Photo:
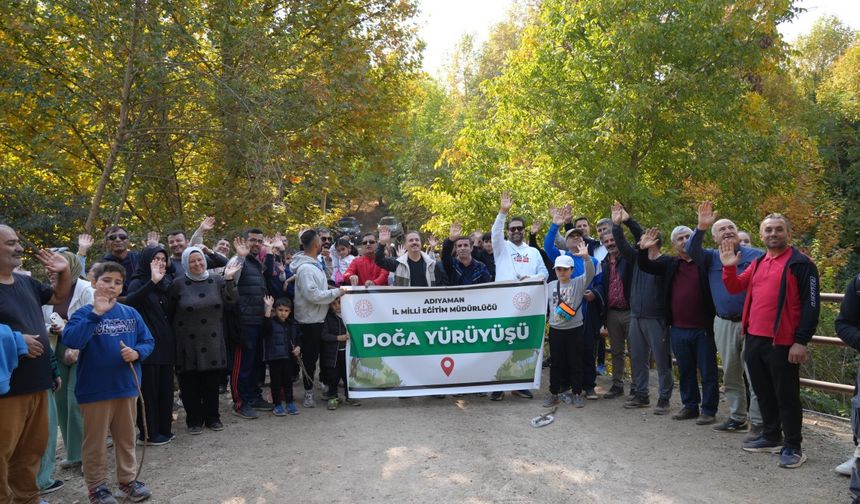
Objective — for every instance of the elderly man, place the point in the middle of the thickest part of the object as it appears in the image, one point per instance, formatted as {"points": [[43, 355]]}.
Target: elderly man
{"points": [[727, 323], [24, 408], [780, 315]]}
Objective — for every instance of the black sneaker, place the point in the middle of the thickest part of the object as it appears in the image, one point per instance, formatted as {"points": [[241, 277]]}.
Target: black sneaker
{"points": [[732, 425], [637, 402], [246, 412], [613, 392], [195, 430], [662, 407], [791, 458], [525, 394], [216, 425], [763, 445], [685, 414], [56, 485], [497, 396], [262, 405]]}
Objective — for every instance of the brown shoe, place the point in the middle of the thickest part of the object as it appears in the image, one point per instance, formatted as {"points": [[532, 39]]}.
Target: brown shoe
{"points": [[705, 420], [685, 414]]}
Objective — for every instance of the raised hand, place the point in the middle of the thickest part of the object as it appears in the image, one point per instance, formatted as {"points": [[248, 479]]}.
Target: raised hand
{"points": [[231, 269], [152, 238], [384, 235], [53, 262], [567, 214], [267, 242], [536, 226], [268, 301], [728, 255], [208, 224], [278, 241], [707, 216], [649, 238], [582, 251], [401, 250], [158, 270], [432, 242], [557, 216], [455, 232], [617, 213], [34, 347], [85, 241], [102, 304], [241, 246], [505, 202]]}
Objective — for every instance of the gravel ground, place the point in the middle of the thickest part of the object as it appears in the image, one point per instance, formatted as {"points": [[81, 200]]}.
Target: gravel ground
{"points": [[472, 450]]}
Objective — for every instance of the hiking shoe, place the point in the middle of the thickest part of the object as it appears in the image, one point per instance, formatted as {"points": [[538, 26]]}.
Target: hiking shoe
{"points": [[591, 394], [755, 432], [551, 400], [578, 401], [614, 392], [101, 495], [56, 485], [566, 398], [246, 412], [134, 491], [216, 425], [309, 399], [662, 407], [157, 440], [762, 445], [601, 369], [195, 430], [685, 414], [706, 420], [352, 402], [279, 410], [292, 409], [332, 404], [525, 394], [791, 458], [637, 402], [262, 405], [497, 396], [732, 425]]}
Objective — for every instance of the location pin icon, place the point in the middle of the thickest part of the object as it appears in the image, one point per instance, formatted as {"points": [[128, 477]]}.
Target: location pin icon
{"points": [[447, 366]]}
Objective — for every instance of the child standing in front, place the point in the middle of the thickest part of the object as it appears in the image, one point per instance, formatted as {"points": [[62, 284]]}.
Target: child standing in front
{"points": [[282, 336], [109, 336], [566, 334], [333, 355]]}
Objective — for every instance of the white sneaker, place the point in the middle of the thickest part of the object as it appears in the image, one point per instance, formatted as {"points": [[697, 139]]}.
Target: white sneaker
{"points": [[845, 467], [309, 399]]}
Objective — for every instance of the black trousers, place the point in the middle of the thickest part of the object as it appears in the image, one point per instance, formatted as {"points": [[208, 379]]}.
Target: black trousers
{"points": [[311, 338], [336, 374], [566, 347], [156, 386], [776, 383], [281, 375], [199, 391]]}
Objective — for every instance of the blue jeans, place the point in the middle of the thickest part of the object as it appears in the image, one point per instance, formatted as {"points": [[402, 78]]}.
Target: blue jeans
{"points": [[696, 351], [246, 357]]}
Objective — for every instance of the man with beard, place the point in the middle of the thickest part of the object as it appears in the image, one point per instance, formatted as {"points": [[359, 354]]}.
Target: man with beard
{"points": [[116, 245], [727, 324], [460, 267]]}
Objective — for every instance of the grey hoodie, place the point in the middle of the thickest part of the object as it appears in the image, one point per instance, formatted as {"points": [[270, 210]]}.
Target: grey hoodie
{"points": [[312, 292]]}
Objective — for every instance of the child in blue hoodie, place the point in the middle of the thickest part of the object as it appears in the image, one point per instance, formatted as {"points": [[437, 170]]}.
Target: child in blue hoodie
{"points": [[110, 336]]}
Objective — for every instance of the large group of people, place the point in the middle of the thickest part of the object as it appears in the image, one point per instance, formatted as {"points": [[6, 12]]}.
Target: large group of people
{"points": [[77, 351]]}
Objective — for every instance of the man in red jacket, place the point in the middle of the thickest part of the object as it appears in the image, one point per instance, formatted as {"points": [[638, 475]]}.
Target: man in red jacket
{"points": [[363, 270], [779, 318]]}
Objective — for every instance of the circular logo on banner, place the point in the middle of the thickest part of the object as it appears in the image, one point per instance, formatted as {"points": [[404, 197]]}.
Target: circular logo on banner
{"points": [[363, 308], [522, 301]]}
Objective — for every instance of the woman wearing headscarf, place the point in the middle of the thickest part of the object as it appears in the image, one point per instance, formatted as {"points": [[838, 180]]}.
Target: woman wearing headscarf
{"points": [[147, 292], [65, 410], [196, 309]]}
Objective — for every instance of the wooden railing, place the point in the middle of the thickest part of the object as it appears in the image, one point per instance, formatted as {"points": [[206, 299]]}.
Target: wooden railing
{"points": [[825, 340]]}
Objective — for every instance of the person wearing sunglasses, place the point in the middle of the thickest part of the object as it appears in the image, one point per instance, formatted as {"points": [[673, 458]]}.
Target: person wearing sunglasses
{"points": [[363, 269], [117, 250], [514, 259]]}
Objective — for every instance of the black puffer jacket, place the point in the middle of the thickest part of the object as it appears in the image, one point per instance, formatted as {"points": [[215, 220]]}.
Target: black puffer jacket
{"points": [[151, 301], [252, 290], [333, 327], [281, 338]]}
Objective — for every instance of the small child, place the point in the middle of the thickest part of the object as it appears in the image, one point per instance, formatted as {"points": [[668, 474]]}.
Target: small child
{"points": [[566, 333], [282, 336], [333, 355], [341, 258], [109, 335]]}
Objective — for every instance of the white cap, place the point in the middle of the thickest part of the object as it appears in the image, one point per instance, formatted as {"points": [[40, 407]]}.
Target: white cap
{"points": [[563, 261]]}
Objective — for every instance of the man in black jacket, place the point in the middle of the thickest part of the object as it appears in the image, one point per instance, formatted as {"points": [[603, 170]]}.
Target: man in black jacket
{"points": [[690, 316], [848, 329], [459, 266]]}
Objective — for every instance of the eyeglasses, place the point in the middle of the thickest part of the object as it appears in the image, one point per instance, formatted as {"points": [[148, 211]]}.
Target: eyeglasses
{"points": [[516, 228], [120, 237], [325, 239], [368, 242]]}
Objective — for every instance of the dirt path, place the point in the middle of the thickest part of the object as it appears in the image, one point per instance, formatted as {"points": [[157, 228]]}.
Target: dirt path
{"points": [[476, 451]]}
